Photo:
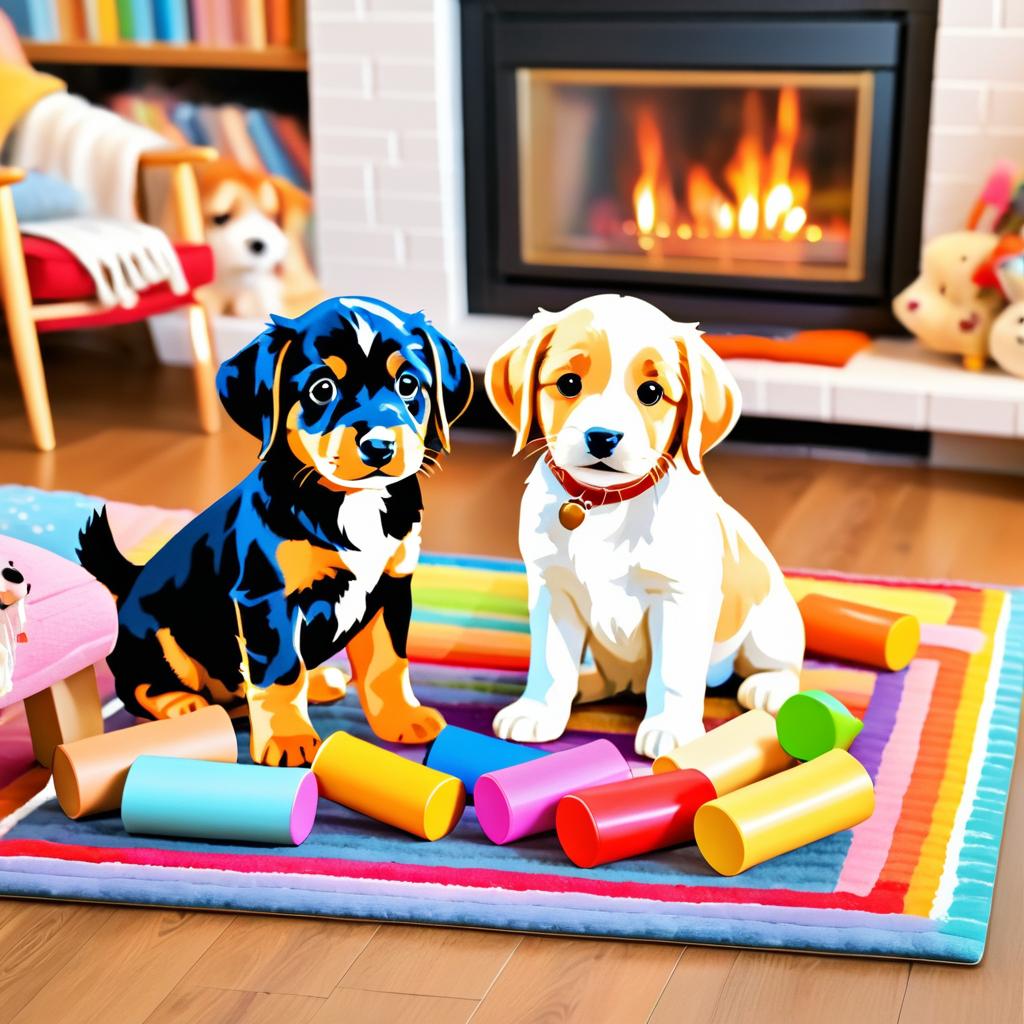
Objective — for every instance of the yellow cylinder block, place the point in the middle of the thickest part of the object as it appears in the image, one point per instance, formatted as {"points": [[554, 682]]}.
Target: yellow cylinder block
{"points": [[737, 753], [388, 787], [780, 813]]}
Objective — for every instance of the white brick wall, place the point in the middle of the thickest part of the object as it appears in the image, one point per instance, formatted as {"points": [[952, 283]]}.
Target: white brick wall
{"points": [[377, 172], [387, 152], [978, 104]]}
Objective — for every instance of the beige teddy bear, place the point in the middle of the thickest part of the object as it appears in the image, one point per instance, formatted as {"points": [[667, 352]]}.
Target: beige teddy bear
{"points": [[944, 309]]}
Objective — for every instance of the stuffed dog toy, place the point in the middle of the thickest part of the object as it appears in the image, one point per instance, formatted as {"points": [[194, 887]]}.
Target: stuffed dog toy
{"points": [[630, 554], [14, 589], [312, 553], [254, 226]]}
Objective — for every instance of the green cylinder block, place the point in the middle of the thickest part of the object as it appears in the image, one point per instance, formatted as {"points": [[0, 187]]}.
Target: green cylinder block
{"points": [[813, 722]]}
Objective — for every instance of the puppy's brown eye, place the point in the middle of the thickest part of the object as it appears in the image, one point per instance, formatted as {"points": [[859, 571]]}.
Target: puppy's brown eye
{"points": [[569, 385], [323, 391], [407, 387], [221, 218], [649, 393]]}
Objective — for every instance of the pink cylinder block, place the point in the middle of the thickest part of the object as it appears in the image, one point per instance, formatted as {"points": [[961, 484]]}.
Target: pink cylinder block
{"points": [[522, 800]]}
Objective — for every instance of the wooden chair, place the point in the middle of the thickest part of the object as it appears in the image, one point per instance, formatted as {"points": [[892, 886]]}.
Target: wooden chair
{"points": [[36, 300]]}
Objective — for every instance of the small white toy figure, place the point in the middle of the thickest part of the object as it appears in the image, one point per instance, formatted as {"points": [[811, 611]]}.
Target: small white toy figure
{"points": [[13, 593]]}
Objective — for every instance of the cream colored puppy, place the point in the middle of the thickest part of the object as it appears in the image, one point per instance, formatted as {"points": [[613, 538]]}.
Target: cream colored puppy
{"points": [[630, 554]]}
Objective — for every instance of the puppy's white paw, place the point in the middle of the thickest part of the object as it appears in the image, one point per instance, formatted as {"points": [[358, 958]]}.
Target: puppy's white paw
{"points": [[530, 721], [768, 690], [661, 734]]}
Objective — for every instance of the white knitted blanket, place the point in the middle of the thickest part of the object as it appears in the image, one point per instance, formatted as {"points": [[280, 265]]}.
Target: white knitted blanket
{"points": [[97, 153]]}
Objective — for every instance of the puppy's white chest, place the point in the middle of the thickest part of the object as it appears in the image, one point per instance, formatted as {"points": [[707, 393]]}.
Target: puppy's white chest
{"points": [[609, 566], [370, 551]]}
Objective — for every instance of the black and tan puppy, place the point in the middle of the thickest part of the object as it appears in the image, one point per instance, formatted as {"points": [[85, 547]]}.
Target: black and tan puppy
{"points": [[313, 551]]}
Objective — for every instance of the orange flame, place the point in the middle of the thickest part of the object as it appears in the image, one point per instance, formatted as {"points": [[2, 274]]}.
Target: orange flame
{"points": [[764, 195], [650, 193]]}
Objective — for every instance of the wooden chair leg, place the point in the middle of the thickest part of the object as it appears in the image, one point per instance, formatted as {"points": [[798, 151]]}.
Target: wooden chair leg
{"points": [[69, 710], [205, 369], [190, 229], [17, 302]]}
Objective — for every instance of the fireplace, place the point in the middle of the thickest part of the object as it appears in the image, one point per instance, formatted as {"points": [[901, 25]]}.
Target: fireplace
{"points": [[737, 163]]}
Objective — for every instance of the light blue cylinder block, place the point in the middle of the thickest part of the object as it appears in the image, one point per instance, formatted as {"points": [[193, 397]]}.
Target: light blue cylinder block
{"points": [[174, 796]]}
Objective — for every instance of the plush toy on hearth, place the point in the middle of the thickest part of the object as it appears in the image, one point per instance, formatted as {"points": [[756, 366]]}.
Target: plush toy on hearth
{"points": [[954, 303], [945, 309]]}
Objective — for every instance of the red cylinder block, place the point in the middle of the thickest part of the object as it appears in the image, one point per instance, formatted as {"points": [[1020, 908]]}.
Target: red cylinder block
{"points": [[625, 819]]}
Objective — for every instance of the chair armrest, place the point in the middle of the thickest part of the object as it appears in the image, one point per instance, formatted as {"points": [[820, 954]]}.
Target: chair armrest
{"points": [[175, 155], [11, 175]]}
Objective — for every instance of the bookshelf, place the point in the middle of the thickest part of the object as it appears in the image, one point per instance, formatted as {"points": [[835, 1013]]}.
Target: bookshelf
{"points": [[166, 55]]}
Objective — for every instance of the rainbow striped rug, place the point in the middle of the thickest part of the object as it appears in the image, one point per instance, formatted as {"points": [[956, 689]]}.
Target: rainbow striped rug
{"points": [[916, 880]]}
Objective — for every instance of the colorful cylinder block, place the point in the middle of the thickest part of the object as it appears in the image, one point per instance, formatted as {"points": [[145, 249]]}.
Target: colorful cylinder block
{"points": [[737, 753], [778, 814], [625, 819], [813, 722], [859, 633], [388, 787], [89, 774], [172, 796], [467, 755], [522, 800]]}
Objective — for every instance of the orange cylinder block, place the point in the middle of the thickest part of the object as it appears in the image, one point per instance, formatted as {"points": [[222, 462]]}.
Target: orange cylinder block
{"points": [[859, 632], [89, 774], [388, 787]]}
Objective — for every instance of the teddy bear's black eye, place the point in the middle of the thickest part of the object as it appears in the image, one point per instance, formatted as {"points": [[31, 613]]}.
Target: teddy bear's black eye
{"points": [[569, 385], [323, 391], [221, 218], [649, 393], [407, 386]]}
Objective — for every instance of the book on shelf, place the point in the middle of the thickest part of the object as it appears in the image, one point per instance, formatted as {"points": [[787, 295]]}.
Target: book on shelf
{"points": [[71, 20], [101, 23], [170, 19], [252, 24], [33, 19], [135, 20], [260, 141]]}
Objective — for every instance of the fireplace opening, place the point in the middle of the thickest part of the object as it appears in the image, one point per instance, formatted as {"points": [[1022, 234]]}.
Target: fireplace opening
{"points": [[618, 169], [740, 163]]}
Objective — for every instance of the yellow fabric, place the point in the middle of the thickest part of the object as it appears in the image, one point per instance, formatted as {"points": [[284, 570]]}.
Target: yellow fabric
{"points": [[929, 606], [21, 88]]}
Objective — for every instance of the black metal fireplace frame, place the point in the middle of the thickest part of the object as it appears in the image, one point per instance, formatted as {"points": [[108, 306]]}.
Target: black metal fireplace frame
{"points": [[892, 38]]}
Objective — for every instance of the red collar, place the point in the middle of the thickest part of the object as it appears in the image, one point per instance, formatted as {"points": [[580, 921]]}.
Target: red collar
{"points": [[597, 496]]}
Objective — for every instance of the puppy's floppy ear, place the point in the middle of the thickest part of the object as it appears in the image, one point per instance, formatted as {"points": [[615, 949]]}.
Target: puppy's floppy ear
{"points": [[712, 397], [453, 388], [293, 204], [249, 383], [511, 374]]}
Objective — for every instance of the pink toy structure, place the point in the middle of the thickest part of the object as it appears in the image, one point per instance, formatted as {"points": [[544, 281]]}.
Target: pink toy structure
{"points": [[73, 624]]}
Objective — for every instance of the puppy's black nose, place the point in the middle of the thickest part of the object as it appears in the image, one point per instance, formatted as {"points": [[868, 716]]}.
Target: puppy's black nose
{"points": [[600, 442], [256, 245], [376, 452]]}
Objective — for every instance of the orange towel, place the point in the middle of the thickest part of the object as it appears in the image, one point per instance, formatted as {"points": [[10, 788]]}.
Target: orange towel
{"points": [[824, 348]]}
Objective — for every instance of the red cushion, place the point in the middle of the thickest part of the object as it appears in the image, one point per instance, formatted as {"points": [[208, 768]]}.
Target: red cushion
{"points": [[54, 275]]}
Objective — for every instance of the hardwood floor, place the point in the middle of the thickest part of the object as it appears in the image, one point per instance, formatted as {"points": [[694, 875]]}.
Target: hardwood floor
{"points": [[126, 433]]}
